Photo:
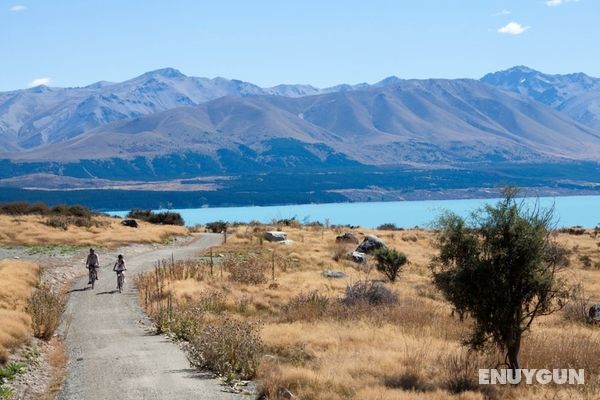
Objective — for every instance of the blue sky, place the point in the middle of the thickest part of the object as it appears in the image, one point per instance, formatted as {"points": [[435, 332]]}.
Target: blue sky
{"points": [[74, 43]]}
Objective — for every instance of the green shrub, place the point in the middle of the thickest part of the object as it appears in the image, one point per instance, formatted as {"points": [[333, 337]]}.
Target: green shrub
{"points": [[389, 261], [5, 392], [231, 348], [12, 369]]}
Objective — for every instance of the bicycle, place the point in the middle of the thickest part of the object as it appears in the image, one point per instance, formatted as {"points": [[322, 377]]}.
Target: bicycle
{"points": [[93, 275], [120, 280]]}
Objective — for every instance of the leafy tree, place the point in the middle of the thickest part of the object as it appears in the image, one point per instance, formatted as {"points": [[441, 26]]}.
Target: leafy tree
{"points": [[500, 268], [389, 261]]}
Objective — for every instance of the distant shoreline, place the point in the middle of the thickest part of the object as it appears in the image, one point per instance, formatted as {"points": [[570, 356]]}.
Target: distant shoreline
{"points": [[569, 210]]}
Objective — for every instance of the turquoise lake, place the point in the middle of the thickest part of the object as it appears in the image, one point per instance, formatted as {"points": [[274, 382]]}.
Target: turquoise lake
{"points": [[569, 211]]}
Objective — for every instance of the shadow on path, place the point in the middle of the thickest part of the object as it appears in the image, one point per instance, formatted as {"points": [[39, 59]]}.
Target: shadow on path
{"points": [[192, 373], [110, 292], [80, 290]]}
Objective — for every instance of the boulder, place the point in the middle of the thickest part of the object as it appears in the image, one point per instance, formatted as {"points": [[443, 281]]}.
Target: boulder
{"points": [[132, 223], [594, 314], [275, 236], [347, 237], [333, 274], [369, 244], [358, 257]]}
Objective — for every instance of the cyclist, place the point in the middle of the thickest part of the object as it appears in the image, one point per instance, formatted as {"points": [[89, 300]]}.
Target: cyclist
{"points": [[92, 261], [120, 269]]}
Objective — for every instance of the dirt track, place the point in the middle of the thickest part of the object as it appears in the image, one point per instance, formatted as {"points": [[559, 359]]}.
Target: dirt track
{"points": [[112, 355]]}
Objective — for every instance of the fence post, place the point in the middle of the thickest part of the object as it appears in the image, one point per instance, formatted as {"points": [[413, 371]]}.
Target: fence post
{"points": [[273, 266]]}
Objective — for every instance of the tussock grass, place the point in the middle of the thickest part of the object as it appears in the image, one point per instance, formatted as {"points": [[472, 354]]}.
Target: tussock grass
{"points": [[17, 280], [34, 230], [318, 348]]}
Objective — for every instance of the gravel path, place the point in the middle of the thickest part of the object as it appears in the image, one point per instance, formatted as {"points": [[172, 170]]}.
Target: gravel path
{"points": [[112, 353]]}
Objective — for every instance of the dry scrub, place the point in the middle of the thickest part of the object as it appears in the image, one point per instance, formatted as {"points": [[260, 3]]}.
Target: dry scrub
{"points": [[33, 230], [17, 281], [407, 346]]}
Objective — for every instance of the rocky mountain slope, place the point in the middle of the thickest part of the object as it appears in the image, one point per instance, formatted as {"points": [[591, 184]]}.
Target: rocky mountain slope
{"points": [[577, 95]]}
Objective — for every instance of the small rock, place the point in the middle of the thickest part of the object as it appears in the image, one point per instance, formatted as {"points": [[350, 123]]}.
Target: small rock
{"points": [[333, 274], [274, 285], [594, 314], [358, 257], [369, 244], [287, 242], [275, 236], [347, 237]]}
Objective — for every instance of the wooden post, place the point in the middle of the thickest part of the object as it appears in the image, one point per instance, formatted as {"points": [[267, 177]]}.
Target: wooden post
{"points": [[225, 235], [273, 266], [211, 262]]}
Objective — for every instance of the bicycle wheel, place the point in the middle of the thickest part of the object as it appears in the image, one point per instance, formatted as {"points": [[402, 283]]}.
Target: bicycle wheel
{"points": [[93, 277]]}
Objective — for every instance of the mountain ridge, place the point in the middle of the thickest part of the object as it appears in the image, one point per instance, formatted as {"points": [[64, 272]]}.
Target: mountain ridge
{"points": [[517, 115]]}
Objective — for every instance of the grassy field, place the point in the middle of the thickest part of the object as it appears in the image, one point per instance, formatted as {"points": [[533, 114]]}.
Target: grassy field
{"points": [[17, 281], [34, 230], [318, 348]]}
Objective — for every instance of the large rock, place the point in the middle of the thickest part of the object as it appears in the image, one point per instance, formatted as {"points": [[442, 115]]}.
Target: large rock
{"points": [[594, 314], [347, 237], [369, 244], [132, 223], [275, 236]]}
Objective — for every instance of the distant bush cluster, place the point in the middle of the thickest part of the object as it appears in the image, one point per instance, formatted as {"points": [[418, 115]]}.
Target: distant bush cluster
{"points": [[389, 227], [60, 216], [25, 208], [160, 218], [217, 226]]}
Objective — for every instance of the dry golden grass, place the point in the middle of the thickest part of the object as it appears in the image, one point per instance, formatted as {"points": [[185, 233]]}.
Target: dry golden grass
{"points": [[17, 280], [31, 230], [57, 359], [404, 351]]}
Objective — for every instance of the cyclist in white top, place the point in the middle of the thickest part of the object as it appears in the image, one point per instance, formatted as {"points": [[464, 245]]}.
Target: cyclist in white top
{"points": [[120, 268]]}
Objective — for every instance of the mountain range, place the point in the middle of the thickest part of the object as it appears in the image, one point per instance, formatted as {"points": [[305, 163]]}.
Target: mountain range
{"points": [[166, 125]]}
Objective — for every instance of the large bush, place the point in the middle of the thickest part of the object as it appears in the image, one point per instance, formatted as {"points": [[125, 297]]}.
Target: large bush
{"points": [[368, 292], [230, 347], [216, 226], [159, 218], [46, 308], [248, 269]]}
